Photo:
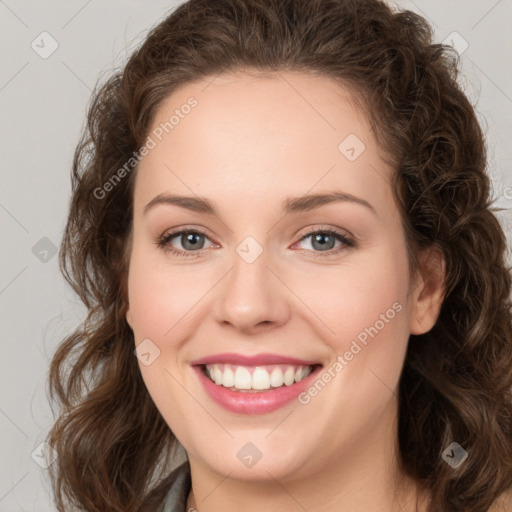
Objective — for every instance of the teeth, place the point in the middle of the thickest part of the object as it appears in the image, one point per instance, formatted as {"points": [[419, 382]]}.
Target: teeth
{"points": [[228, 377], [256, 378], [217, 375], [276, 378], [242, 378], [260, 379], [289, 376]]}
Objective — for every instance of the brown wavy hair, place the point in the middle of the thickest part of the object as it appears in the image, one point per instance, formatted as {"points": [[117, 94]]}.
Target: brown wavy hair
{"points": [[114, 448]]}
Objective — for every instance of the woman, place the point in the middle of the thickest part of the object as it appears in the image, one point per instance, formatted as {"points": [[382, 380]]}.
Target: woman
{"points": [[281, 226]]}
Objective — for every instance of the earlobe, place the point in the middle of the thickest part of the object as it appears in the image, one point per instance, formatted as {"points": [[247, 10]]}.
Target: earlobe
{"points": [[428, 294]]}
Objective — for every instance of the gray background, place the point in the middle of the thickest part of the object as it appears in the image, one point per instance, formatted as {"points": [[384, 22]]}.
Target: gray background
{"points": [[43, 104]]}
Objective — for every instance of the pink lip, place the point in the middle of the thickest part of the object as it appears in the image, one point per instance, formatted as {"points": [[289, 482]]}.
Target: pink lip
{"points": [[256, 360], [260, 402]]}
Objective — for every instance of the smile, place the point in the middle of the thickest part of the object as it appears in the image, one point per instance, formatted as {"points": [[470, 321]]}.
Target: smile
{"points": [[255, 378], [257, 384]]}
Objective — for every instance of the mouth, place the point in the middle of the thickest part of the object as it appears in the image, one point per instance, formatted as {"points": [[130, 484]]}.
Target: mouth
{"points": [[256, 379], [258, 384]]}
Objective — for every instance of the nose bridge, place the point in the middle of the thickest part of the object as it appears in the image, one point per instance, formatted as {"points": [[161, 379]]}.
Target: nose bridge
{"points": [[251, 295]]}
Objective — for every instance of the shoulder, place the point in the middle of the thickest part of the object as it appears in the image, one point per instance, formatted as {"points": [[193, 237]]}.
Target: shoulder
{"points": [[176, 498], [503, 503]]}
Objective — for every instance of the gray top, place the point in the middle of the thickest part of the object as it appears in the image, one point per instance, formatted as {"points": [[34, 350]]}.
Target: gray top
{"points": [[176, 499]]}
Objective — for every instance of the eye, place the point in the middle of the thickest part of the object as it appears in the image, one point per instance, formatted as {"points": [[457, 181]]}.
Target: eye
{"points": [[324, 241], [190, 240]]}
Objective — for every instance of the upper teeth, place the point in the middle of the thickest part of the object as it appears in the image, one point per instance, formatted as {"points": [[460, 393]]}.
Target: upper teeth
{"points": [[256, 377]]}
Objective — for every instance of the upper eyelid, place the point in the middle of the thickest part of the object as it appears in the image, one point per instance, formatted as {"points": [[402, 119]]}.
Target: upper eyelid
{"points": [[325, 229]]}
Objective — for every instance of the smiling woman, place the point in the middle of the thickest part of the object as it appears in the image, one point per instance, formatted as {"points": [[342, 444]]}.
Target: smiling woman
{"points": [[301, 282]]}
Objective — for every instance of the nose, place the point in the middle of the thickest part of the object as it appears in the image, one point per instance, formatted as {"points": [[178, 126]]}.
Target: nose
{"points": [[251, 298]]}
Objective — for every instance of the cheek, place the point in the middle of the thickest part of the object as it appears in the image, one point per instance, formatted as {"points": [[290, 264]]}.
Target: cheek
{"points": [[158, 308], [365, 308], [159, 296], [347, 299], [146, 306]]}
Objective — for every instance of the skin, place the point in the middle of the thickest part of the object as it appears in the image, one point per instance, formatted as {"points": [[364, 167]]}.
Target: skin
{"points": [[252, 141]]}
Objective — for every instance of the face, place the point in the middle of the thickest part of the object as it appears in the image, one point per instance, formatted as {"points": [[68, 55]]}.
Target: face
{"points": [[284, 275]]}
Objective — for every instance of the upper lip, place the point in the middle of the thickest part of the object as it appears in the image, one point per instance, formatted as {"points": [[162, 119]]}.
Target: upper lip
{"points": [[255, 360]]}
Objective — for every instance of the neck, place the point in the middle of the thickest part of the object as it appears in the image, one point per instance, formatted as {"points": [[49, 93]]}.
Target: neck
{"points": [[365, 476]]}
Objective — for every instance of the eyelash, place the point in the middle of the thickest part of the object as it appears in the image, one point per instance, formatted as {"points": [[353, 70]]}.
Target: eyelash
{"points": [[163, 242]]}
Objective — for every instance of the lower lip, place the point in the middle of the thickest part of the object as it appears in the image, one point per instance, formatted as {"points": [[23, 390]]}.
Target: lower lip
{"points": [[259, 402]]}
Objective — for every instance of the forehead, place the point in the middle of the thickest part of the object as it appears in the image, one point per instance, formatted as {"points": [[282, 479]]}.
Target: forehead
{"points": [[281, 109], [263, 136]]}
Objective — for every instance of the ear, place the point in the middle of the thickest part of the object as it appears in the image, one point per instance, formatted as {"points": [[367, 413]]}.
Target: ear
{"points": [[428, 293], [129, 317], [125, 301], [124, 274]]}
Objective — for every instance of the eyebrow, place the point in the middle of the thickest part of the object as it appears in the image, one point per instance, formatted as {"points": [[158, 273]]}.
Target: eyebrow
{"points": [[289, 205]]}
